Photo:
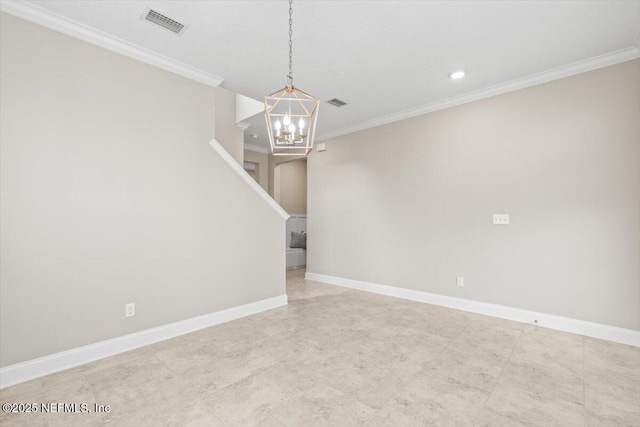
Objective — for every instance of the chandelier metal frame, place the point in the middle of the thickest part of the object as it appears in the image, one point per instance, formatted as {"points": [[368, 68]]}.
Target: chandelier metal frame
{"points": [[290, 113]]}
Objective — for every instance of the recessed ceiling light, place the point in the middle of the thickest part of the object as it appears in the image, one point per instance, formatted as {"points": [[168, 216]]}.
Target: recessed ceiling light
{"points": [[254, 136], [457, 74]]}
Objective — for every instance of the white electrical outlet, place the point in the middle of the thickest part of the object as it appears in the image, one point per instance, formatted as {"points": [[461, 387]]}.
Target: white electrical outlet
{"points": [[459, 281], [500, 219], [130, 309]]}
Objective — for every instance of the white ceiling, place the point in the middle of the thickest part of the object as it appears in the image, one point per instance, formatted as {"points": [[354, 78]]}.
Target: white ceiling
{"points": [[382, 57]]}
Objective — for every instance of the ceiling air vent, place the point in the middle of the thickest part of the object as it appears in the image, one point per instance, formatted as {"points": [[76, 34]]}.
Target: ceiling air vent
{"points": [[163, 21], [337, 103]]}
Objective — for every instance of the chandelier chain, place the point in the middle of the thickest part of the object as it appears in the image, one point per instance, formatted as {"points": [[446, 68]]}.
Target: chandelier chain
{"points": [[290, 113], [290, 76]]}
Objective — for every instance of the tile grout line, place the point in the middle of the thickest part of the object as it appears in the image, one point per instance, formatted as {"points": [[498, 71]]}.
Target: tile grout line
{"points": [[502, 370], [146, 396], [214, 413], [278, 419], [376, 411], [451, 341], [181, 377]]}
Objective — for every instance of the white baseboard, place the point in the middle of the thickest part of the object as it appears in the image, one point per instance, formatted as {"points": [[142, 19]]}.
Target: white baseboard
{"points": [[590, 329], [57, 362]]}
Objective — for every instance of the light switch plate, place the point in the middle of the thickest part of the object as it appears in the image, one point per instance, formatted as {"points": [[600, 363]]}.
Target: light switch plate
{"points": [[500, 219]]}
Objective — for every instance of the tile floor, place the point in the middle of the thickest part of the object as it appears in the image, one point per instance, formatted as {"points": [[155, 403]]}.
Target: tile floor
{"points": [[338, 357]]}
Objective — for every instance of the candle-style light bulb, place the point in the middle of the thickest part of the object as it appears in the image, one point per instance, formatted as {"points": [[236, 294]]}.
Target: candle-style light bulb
{"points": [[278, 125], [301, 124], [292, 131], [286, 120]]}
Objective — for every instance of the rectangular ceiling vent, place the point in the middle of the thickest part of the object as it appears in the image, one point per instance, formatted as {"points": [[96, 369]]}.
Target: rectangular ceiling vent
{"points": [[337, 103], [163, 21]]}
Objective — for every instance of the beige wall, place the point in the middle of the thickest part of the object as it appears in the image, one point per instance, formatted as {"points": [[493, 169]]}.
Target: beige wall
{"points": [[410, 204], [111, 194], [270, 176], [291, 180], [227, 132], [262, 160]]}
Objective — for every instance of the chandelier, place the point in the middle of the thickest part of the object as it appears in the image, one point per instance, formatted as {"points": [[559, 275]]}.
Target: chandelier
{"points": [[290, 113]]}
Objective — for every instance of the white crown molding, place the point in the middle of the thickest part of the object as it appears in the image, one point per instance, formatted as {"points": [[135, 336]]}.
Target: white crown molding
{"points": [[57, 362], [256, 148], [499, 89], [247, 178], [243, 126], [72, 28], [567, 324]]}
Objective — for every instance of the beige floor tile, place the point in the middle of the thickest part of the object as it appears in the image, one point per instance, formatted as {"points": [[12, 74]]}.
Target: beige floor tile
{"points": [[372, 384], [414, 346], [299, 376], [612, 383], [541, 346], [564, 384], [612, 399], [475, 366], [481, 322], [300, 289], [323, 406], [234, 335], [118, 395], [76, 391], [535, 408], [436, 418], [430, 319], [183, 354], [488, 418], [488, 337], [124, 400], [137, 413], [454, 397], [140, 369], [270, 421], [35, 419], [229, 369], [165, 388], [84, 371], [30, 391], [398, 413], [286, 346], [605, 356], [183, 412], [76, 419], [247, 402]]}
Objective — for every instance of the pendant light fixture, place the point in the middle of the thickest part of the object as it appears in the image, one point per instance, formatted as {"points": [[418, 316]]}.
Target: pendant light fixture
{"points": [[290, 113]]}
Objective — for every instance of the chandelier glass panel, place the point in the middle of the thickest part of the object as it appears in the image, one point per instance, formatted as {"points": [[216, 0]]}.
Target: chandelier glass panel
{"points": [[291, 114]]}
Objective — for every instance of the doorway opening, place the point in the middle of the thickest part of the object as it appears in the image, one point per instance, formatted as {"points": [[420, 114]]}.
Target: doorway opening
{"points": [[290, 191]]}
